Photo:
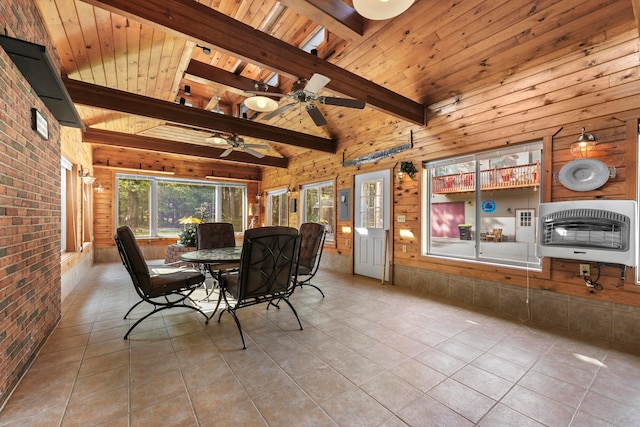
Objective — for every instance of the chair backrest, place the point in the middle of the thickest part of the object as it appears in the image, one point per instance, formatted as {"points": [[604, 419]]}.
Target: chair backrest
{"points": [[213, 235], [132, 258], [267, 265], [311, 244], [498, 233]]}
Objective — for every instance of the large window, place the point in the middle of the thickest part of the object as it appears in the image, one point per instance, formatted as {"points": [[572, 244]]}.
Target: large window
{"points": [[484, 207], [277, 207], [66, 209], [154, 206], [318, 205]]}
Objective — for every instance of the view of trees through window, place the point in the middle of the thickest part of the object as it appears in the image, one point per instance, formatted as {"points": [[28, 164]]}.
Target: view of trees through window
{"points": [[154, 206], [278, 207], [318, 205]]}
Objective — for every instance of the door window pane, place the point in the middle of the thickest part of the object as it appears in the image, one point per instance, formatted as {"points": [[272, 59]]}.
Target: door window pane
{"points": [[371, 204]]}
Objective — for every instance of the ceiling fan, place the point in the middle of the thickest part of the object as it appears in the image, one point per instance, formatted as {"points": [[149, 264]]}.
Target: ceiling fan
{"points": [[234, 142], [305, 94]]}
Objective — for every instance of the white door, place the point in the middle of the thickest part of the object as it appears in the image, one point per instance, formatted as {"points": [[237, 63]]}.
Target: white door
{"points": [[525, 225], [371, 220]]}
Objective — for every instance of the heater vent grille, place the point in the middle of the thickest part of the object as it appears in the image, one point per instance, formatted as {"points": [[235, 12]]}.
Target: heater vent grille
{"points": [[579, 230], [589, 228]]}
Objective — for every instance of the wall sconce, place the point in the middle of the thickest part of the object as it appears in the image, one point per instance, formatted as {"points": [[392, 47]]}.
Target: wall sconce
{"points": [[186, 90], [258, 196], [509, 210], [99, 188], [585, 144], [205, 49], [86, 176], [289, 191]]}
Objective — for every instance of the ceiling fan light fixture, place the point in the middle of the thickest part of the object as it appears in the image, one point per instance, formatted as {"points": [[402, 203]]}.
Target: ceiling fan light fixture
{"points": [[217, 139], [261, 104], [381, 9]]}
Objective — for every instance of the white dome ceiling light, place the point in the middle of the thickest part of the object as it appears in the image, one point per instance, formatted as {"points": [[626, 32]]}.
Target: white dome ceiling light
{"points": [[381, 9]]}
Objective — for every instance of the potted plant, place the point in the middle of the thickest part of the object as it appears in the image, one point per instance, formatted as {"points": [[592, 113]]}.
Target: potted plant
{"points": [[188, 235]]}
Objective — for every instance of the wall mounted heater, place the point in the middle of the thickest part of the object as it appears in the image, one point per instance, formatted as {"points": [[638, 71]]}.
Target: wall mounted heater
{"points": [[589, 230]]}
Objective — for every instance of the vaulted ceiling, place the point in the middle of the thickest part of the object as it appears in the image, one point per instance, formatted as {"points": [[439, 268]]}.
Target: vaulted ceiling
{"points": [[127, 63]]}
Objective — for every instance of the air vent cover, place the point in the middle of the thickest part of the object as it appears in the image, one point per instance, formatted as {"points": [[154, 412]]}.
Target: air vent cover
{"points": [[34, 64]]}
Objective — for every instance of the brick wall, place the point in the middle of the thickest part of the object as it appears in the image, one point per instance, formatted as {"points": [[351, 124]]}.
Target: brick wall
{"points": [[29, 208]]}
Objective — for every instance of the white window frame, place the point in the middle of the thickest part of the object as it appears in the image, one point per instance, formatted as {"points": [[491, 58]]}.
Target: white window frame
{"points": [[284, 216], [475, 201], [303, 203], [153, 199], [66, 168]]}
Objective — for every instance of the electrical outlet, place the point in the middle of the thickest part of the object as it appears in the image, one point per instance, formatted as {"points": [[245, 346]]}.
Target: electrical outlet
{"points": [[404, 248], [402, 218], [347, 242], [585, 269]]}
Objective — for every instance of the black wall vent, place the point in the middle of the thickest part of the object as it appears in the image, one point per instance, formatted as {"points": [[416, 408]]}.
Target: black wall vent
{"points": [[33, 62]]}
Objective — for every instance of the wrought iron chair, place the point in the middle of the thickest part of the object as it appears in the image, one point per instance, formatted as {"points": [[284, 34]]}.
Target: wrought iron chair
{"points": [[267, 271], [311, 246], [162, 287], [214, 235]]}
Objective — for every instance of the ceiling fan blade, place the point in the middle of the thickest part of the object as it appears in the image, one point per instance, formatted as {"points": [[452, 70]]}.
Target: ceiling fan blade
{"points": [[342, 102], [280, 110], [316, 115], [227, 152], [316, 82], [260, 146], [253, 152]]}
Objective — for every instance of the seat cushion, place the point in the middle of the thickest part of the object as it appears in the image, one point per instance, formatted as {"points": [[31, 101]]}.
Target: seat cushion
{"points": [[174, 281]]}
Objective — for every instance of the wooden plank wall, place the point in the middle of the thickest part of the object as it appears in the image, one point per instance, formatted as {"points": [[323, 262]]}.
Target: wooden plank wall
{"points": [[596, 88]]}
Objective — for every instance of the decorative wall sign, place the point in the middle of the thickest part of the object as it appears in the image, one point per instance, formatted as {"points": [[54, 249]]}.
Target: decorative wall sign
{"points": [[488, 206], [379, 155], [39, 123]]}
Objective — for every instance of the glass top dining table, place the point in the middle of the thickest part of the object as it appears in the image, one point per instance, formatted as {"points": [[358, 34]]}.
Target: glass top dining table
{"points": [[216, 261], [213, 256]]}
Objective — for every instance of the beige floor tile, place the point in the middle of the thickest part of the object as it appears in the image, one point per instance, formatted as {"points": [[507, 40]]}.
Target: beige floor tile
{"points": [[174, 411], [384, 356], [355, 407], [97, 409]]}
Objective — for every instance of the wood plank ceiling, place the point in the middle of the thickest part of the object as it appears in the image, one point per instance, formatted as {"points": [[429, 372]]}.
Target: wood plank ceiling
{"points": [[431, 53]]}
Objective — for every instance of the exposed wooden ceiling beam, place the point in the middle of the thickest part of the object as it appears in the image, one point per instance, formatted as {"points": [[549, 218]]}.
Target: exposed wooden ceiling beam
{"points": [[205, 25], [335, 15], [118, 139], [232, 82], [117, 100]]}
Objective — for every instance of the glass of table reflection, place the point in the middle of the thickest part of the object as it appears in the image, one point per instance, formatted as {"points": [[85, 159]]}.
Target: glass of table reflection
{"points": [[214, 261]]}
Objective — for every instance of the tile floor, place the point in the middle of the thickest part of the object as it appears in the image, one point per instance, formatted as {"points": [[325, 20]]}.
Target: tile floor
{"points": [[369, 355]]}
